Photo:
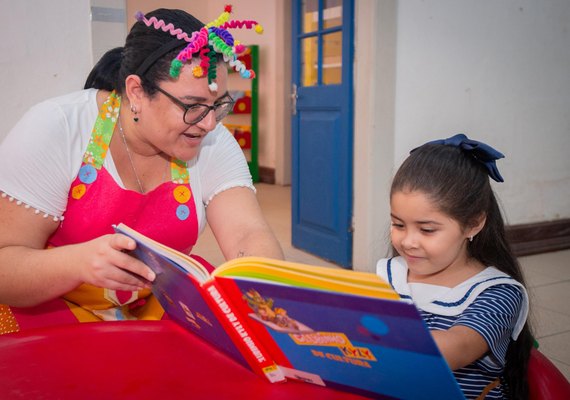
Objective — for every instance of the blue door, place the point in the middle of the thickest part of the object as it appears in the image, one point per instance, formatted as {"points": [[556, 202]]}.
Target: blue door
{"points": [[322, 138]]}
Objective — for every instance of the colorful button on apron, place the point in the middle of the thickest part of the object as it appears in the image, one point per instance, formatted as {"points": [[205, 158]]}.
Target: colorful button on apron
{"points": [[182, 194], [78, 191], [182, 212], [87, 174]]}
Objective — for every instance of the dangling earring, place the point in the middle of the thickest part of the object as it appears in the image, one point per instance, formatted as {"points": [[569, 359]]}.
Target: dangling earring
{"points": [[134, 111], [471, 238]]}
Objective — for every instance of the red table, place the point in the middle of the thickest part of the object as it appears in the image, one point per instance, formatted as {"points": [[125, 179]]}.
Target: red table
{"points": [[132, 360]]}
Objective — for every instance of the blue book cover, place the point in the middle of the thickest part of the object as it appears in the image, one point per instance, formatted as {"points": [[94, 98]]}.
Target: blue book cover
{"points": [[374, 347]]}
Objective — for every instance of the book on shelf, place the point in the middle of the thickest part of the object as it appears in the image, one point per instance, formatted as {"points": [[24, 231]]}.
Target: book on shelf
{"points": [[342, 329]]}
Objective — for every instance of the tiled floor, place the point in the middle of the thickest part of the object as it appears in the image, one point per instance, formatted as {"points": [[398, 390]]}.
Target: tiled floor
{"points": [[548, 276], [548, 279]]}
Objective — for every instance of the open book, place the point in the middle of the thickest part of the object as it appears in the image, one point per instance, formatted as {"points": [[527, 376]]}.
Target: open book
{"points": [[343, 329]]}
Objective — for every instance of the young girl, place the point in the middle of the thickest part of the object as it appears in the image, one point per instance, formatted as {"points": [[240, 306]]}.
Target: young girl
{"points": [[455, 264]]}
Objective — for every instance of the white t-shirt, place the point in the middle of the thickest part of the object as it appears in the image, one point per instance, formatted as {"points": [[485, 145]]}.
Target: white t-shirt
{"points": [[42, 154]]}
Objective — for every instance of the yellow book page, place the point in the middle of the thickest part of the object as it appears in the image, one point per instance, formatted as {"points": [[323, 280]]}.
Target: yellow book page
{"points": [[343, 275], [299, 275], [356, 277]]}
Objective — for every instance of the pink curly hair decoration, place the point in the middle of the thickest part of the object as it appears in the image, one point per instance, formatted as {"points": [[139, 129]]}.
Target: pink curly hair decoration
{"points": [[210, 40], [160, 24]]}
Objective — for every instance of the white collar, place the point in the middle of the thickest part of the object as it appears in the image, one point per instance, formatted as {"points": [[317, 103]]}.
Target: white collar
{"points": [[454, 301]]}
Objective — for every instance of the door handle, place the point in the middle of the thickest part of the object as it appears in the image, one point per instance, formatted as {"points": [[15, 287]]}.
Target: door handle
{"points": [[294, 98]]}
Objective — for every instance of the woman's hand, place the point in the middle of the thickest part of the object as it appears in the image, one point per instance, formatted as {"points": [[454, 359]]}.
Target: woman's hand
{"points": [[30, 274], [105, 263]]}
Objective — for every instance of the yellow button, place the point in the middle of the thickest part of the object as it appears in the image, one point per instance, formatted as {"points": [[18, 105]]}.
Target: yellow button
{"points": [[78, 191], [182, 194]]}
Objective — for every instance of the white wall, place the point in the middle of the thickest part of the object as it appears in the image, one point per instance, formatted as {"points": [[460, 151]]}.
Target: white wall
{"points": [[374, 135], [108, 26], [45, 51], [498, 71]]}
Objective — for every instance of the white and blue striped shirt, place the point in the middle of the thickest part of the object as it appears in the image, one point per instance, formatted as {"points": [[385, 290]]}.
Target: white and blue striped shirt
{"points": [[492, 303]]}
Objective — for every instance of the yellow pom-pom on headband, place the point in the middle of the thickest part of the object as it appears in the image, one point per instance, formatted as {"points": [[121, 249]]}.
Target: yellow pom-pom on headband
{"points": [[213, 39]]}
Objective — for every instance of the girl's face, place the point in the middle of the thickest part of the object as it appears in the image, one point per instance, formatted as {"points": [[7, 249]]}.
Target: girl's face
{"points": [[165, 127], [433, 244]]}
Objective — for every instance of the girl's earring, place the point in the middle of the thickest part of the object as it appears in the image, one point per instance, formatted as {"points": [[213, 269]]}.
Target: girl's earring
{"points": [[470, 238], [134, 111]]}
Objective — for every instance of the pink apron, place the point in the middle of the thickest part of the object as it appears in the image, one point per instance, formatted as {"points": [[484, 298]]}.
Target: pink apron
{"points": [[166, 214]]}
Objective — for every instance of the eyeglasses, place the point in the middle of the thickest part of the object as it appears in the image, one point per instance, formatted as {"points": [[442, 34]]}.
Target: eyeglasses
{"points": [[194, 113]]}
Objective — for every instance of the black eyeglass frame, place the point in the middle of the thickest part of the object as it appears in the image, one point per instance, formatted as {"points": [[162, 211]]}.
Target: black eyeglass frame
{"points": [[207, 108]]}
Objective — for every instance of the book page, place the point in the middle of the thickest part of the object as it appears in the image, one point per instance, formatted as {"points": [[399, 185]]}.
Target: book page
{"points": [[182, 260], [313, 277]]}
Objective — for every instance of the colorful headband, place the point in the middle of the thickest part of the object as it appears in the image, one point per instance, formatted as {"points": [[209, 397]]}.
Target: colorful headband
{"points": [[481, 152], [214, 38]]}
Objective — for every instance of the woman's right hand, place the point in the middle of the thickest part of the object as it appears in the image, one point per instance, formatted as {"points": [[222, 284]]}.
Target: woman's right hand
{"points": [[30, 274], [105, 263]]}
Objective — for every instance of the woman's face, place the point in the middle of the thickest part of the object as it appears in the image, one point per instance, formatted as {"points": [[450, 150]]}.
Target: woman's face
{"points": [[433, 244], [165, 127]]}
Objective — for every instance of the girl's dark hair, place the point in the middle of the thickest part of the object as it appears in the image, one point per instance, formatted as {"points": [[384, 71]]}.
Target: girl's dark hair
{"points": [[459, 185], [140, 45]]}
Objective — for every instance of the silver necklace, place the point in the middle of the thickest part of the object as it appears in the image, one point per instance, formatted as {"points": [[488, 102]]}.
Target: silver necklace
{"points": [[141, 188]]}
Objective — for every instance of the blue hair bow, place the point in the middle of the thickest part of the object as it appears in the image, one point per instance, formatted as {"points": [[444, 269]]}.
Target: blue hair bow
{"points": [[481, 152]]}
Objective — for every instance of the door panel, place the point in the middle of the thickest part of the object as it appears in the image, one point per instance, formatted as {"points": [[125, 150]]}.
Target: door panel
{"points": [[319, 210]]}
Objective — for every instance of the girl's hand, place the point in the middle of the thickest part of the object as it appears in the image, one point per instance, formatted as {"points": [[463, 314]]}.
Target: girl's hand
{"points": [[460, 345], [106, 264]]}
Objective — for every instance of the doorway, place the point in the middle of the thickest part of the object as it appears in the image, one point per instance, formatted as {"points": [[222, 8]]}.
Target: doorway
{"points": [[322, 128]]}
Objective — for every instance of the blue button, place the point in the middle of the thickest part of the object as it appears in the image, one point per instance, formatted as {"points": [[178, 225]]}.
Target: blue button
{"points": [[87, 174], [182, 212]]}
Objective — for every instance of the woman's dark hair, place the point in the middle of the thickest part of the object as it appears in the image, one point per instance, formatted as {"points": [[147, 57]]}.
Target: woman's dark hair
{"points": [[459, 185], [143, 45], [104, 73]]}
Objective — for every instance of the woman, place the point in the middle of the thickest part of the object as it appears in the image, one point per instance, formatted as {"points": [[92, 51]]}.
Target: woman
{"points": [[143, 145]]}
